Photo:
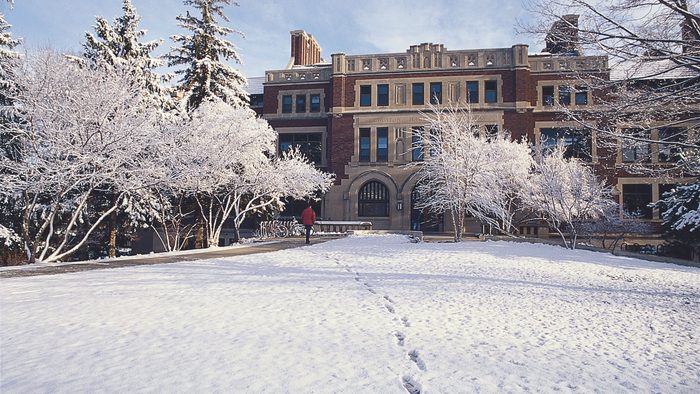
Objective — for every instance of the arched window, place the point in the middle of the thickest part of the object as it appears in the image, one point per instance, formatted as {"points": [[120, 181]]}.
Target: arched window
{"points": [[373, 200]]}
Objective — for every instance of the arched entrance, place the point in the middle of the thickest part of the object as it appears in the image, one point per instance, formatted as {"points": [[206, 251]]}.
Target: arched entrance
{"points": [[424, 220]]}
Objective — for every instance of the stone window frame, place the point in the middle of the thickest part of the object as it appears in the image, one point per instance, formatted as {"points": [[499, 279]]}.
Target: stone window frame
{"points": [[407, 83], [655, 183], [557, 83], [307, 113], [654, 146], [303, 130], [573, 125]]}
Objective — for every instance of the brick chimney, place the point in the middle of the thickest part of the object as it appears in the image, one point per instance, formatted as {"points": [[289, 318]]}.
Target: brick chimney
{"points": [[690, 33], [305, 49], [563, 37]]}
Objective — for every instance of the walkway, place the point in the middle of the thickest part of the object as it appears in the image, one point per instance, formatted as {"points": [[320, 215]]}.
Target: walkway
{"points": [[254, 248]]}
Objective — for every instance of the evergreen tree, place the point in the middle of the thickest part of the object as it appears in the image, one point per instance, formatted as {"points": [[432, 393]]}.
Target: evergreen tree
{"points": [[117, 46], [681, 216], [8, 61], [207, 77]]}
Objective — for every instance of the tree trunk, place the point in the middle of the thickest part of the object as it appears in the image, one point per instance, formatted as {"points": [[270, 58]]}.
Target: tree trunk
{"points": [[112, 249], [236, 233], [199, 235]]}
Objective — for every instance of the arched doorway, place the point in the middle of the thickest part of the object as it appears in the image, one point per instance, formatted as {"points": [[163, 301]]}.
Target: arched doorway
{"points": [[424, 220], [373, 200]]}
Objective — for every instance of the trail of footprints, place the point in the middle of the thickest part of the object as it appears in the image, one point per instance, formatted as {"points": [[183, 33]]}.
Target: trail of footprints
{"points": [[411, 385]]}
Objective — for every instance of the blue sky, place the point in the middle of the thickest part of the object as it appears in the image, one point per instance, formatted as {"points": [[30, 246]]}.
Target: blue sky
{"points": [[352, 27]]}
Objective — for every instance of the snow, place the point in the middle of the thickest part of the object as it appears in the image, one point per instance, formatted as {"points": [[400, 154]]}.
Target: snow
{"points": [[361, 314]]}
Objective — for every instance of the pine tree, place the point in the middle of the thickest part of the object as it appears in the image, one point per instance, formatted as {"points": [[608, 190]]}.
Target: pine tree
{"points": [[117, 46], [8, 60], [207, 77], [681, 216]]}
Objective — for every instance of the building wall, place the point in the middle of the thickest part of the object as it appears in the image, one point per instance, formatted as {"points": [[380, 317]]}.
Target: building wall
{"points": [[520, 109]]}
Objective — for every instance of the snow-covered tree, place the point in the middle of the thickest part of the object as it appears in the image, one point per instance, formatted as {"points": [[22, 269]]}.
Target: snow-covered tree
{"points": [[681, 215], [565, 193], [84, 132], [204, 53], [117, 46], [231, 169], [654, 85], [611, 228], [466, 171], [8, 62]]}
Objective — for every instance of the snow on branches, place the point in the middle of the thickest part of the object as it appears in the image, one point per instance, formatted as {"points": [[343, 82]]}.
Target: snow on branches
{"points": [[565, 193], [117, 47], [652, 92], [203, 53], [83, 134], [231, 169], [467, 171]]}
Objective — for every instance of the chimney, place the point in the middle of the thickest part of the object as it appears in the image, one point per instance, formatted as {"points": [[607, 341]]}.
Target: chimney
{"points": [[563, 37], [305, 49], [690, 34]]}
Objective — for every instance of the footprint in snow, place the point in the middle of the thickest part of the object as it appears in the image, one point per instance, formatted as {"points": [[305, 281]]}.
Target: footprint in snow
{"points": [[386, 297], [389, 308], [411, 385], [405, 321], [400, 338], [415, 357]]}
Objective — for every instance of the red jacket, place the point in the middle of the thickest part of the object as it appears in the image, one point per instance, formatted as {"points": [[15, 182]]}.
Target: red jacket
{"points": [[308, 216]]}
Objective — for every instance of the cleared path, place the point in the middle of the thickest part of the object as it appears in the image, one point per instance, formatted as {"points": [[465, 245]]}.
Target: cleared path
{"points": [[254, 248]]}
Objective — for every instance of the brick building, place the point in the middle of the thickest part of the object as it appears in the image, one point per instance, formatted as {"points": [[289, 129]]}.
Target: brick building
{"points": [[354, 117]]}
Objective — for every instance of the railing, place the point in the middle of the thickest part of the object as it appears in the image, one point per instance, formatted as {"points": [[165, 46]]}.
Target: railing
{"points": [[282, 228], [279, 228], [341, 226]]}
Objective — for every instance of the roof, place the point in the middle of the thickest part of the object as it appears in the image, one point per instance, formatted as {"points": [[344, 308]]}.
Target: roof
{"points": [[255, 85], [649, 68]]}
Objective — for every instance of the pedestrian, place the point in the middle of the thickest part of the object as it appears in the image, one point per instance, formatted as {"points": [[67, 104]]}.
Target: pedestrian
{"points": [[308, 217]]}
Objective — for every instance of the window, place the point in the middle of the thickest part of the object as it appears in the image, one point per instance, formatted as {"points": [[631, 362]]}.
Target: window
{"points": [[548, 96], [581, 95], [635, 200], [383, 95], [364, 144], [435, 92], [416, 144], [308, 143], [365, 95], [256, 100], [301, 103], [382, 144], [473, 91], [286, 104], [491, 91], [668, 152], [315, 100], [577, 142], [635, 151], [401, 94], [564, 95], [418, 94], [373, 200]]}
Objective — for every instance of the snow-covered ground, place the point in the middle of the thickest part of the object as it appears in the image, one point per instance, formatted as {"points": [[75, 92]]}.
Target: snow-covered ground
{"points": [[362, 314]]}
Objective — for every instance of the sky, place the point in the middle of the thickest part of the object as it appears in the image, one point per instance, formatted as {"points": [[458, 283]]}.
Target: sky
{"points": [[351, 27]]}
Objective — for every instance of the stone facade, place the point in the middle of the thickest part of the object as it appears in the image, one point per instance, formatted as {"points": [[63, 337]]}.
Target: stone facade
{"points": [[370, 103]]}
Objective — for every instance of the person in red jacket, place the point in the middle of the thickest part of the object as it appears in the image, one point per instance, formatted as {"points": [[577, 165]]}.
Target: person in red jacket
{"points": [[308, 217]]}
